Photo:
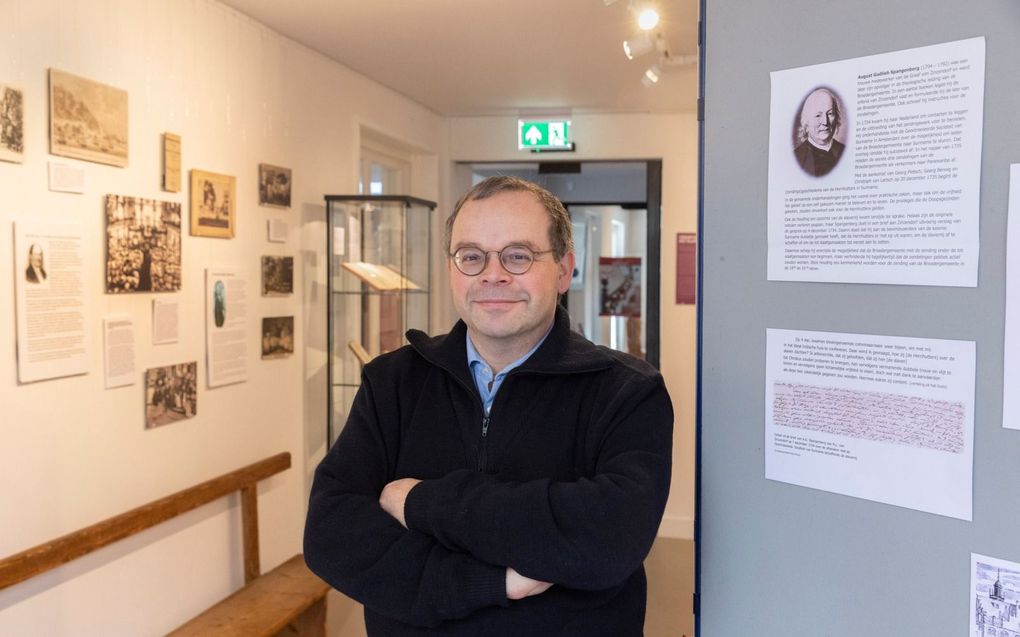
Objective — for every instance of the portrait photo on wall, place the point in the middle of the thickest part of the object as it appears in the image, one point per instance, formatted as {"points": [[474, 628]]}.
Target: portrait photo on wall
{"points": [[35, 265], [12, 124], [88, 120], [219, 303], [277, 336], [213, 204], [277, 276], [274, 186], [171, 393], [619, 286], [143, 245], [819, 131]]}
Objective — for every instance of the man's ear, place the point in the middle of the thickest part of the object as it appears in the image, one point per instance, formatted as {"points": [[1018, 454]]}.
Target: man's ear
{"points": [[566, 265]]}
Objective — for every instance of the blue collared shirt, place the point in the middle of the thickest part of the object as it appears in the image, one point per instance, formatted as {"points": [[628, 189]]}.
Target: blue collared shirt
{"points": [[482, 373]]}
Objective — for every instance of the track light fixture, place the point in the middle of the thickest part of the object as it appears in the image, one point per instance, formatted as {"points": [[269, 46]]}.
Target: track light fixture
{"points": [[649, 39], [651, 76], [637, 45]]}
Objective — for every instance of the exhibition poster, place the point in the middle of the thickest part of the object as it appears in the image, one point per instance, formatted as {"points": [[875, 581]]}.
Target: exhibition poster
{"points": [[1011, 340], [51, 304], [165, 321], [875, 168], [226, 327], [885, 418], [119, 351]]}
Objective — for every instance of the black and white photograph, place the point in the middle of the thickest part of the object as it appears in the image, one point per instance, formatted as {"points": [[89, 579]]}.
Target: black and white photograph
{"points": [[143, 245], [277, 336], [213, 204], [274, 186], [277, 276], [12, 124], [171, 394], [88, 120], [819, 131]]}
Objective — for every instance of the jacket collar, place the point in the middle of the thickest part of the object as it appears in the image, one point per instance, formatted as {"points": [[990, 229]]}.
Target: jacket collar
{"points": [[563, 352]]}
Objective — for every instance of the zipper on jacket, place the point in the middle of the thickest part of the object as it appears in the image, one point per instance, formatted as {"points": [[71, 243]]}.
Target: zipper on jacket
{"points": [[482, 445]]}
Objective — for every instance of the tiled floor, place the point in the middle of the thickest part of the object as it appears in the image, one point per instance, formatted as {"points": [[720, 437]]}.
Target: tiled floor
{"points": [[670, 568]]}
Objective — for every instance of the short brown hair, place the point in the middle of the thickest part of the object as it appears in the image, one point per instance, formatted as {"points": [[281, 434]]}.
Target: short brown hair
{"points": [[561, 237]]}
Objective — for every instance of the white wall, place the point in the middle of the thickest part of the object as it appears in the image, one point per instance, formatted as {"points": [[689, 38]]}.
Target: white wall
{"points": [[673, 139], [73, 453]]}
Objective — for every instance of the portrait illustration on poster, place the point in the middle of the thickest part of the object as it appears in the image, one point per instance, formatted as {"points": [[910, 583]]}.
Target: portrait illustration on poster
{"points": [[219, 303], [819, 134], [36, 270]]}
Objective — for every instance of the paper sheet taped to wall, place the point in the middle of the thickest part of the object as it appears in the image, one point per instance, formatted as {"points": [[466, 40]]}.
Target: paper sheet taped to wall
{"points": [[885, 418]]}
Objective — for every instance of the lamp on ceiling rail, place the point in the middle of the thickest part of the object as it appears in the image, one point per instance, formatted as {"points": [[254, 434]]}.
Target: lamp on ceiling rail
{"points": [[648, 39], [641, 44]]}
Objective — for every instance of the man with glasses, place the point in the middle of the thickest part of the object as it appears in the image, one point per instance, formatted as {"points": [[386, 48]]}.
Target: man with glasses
{"points": [[507, 478]]}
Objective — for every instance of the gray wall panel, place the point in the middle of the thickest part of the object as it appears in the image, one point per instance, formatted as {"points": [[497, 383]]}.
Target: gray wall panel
{"points": [[777, 559]]}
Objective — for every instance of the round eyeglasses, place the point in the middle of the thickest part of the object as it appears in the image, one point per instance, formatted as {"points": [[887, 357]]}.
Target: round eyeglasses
{"points": [[516, 259]]}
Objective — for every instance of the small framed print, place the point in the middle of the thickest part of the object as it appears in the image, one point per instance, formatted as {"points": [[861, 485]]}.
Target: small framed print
{"points": [[274, 186], [213, 204], [277, 336], [171, 162], [277, 276]]}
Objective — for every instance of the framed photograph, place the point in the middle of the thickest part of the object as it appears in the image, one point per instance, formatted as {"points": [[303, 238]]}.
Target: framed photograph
{"points": [[12, 124], [88, 120], [171, 394], [213, 204], [277, 276], [274, 186], [277, 336], [143, 245]]}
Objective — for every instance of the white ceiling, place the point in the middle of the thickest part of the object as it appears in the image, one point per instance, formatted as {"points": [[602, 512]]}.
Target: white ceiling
{"points": [[496, 57]]}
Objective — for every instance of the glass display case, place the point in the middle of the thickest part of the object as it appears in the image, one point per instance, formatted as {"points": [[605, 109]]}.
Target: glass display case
{"points": [[380, 269]]}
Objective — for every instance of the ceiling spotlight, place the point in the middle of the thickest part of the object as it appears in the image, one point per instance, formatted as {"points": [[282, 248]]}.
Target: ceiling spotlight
{"points": [[648, 19], [637, 45], [651, 76]]}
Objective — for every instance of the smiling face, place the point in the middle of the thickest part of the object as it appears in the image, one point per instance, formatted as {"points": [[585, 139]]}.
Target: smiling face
{"points": [[506, 314], [820, 117]]}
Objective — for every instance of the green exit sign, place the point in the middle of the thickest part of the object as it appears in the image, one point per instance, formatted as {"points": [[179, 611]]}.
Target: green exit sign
{"points": [[543, 135]]}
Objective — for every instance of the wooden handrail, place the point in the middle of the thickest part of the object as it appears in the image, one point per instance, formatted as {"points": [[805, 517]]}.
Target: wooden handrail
{"points": [[49, 555]]}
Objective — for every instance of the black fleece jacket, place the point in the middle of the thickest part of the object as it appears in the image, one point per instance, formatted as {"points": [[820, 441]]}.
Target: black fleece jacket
{"points": [[565, 481]]}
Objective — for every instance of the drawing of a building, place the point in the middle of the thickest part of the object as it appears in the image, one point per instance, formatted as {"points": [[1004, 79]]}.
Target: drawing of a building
{"points": [[995, 615]]}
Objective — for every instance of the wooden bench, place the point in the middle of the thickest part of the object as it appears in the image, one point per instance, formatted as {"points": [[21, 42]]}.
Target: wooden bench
{"points": [[289, 600]]}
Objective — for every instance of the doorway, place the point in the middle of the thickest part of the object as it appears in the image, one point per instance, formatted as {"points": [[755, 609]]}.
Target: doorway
{"points": [[614, 206]]}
